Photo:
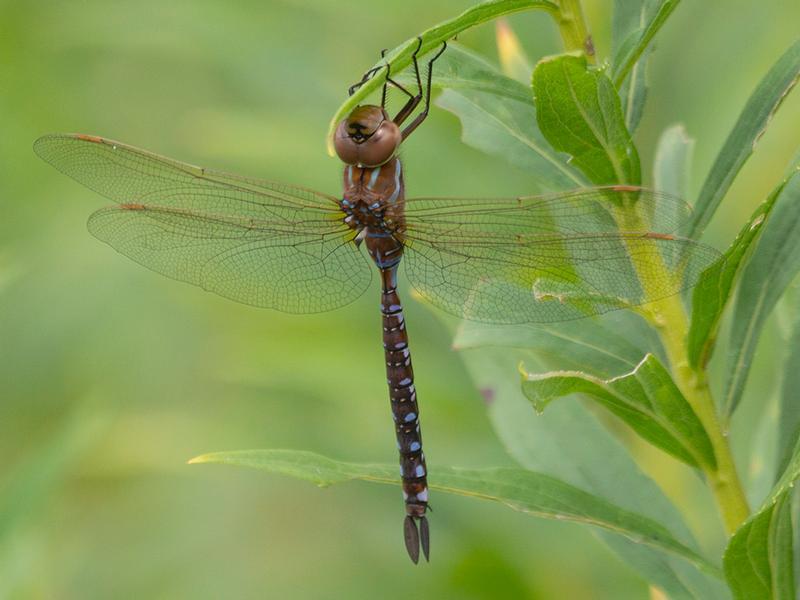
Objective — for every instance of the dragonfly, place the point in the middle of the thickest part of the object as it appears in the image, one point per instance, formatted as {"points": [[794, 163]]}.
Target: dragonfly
{"points": [[533, 259]]}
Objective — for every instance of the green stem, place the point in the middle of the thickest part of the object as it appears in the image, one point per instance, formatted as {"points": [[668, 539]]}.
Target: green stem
{"points": [[573, 29], [670, 319]]}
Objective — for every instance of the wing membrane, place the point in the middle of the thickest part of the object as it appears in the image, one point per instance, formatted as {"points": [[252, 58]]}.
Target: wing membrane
{"points": [[581, 211], [256, 242], [550, 258]]}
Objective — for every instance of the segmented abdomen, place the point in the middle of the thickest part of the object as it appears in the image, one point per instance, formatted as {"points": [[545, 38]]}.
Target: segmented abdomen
{"points": [[403, 396]]}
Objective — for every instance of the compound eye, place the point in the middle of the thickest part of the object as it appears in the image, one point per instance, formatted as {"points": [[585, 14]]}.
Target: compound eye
{"points": [[346, 148], [381, 145]]}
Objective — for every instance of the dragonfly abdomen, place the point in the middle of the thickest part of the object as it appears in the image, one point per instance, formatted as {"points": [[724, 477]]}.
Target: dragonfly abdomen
{"points": [[403, 396]]}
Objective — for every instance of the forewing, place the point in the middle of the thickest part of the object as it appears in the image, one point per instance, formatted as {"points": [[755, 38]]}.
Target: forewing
{"points": [[580, 211], [256, 242]]}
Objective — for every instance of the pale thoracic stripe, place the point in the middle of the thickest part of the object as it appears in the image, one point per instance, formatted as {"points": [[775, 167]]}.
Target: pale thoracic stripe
{"points": [[350, 174], [374, 177], [396, 192]]}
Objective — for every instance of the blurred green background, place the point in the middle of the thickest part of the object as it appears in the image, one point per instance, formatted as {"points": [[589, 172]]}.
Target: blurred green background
{"points": [[111, 376]]}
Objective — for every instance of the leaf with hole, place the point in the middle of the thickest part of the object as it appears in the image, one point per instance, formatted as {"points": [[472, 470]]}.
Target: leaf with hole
{"points": [[646, 399]]}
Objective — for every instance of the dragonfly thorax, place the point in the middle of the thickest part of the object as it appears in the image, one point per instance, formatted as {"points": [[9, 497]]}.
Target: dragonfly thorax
{"points": [[373, 206]]}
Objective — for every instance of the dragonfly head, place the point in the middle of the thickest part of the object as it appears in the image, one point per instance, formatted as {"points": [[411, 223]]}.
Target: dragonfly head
{"points": [[367, 137]]}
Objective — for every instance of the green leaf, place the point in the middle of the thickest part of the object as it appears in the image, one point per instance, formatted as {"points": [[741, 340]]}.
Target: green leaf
{"points": [[463, 70], [498, 117], [771, 267], [673, 162], [634, 94], [594, 460], [646, 399], [579, 112], [756, 115], [593, 345], [789, 407], [635, 24], [522, 490], [759, 559], [672, 167], [400, 57], [713, 290]]}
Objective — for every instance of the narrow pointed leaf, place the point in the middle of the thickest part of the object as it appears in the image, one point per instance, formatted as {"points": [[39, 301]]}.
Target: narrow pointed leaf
{"points": [[646, 399], [634, 94], [714, 288], [756, 115], [579, 112], [789, 407], [635, 24], [672, 166], [400, 57], [772, 266], [525, 491]]}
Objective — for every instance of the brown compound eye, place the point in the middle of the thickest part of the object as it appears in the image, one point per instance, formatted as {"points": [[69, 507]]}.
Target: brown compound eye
{"points": [[367, 137], [381, 145], [346, 147]]}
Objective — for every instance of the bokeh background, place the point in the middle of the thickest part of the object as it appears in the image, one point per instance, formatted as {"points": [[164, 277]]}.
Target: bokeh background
{"points": [[111, 376]]}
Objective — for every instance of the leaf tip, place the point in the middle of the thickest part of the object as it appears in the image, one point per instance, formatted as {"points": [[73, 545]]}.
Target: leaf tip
{"points": [[203, 458], [522, 371]]}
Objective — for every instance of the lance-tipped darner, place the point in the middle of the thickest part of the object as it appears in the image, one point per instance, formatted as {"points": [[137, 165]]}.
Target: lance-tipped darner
{"points": [[530, 259]]}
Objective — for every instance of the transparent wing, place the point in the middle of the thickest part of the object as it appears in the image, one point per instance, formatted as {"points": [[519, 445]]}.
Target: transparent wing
{"points": [[256, 242], [580, 211], [550, 258]]}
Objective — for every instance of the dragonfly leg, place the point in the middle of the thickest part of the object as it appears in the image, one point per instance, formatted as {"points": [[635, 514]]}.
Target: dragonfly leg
{"points": [[364, 79], [369, 75], [413, 100], [422, 116]]}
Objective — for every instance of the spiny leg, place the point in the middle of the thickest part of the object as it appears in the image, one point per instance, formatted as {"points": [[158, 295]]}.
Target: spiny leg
{"points": [[413, 100], [369, 75], [364, 79], [423, 115]]}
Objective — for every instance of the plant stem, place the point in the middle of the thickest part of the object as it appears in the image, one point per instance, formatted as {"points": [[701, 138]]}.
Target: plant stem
{"points": [[670, 319], [573, 29]]}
